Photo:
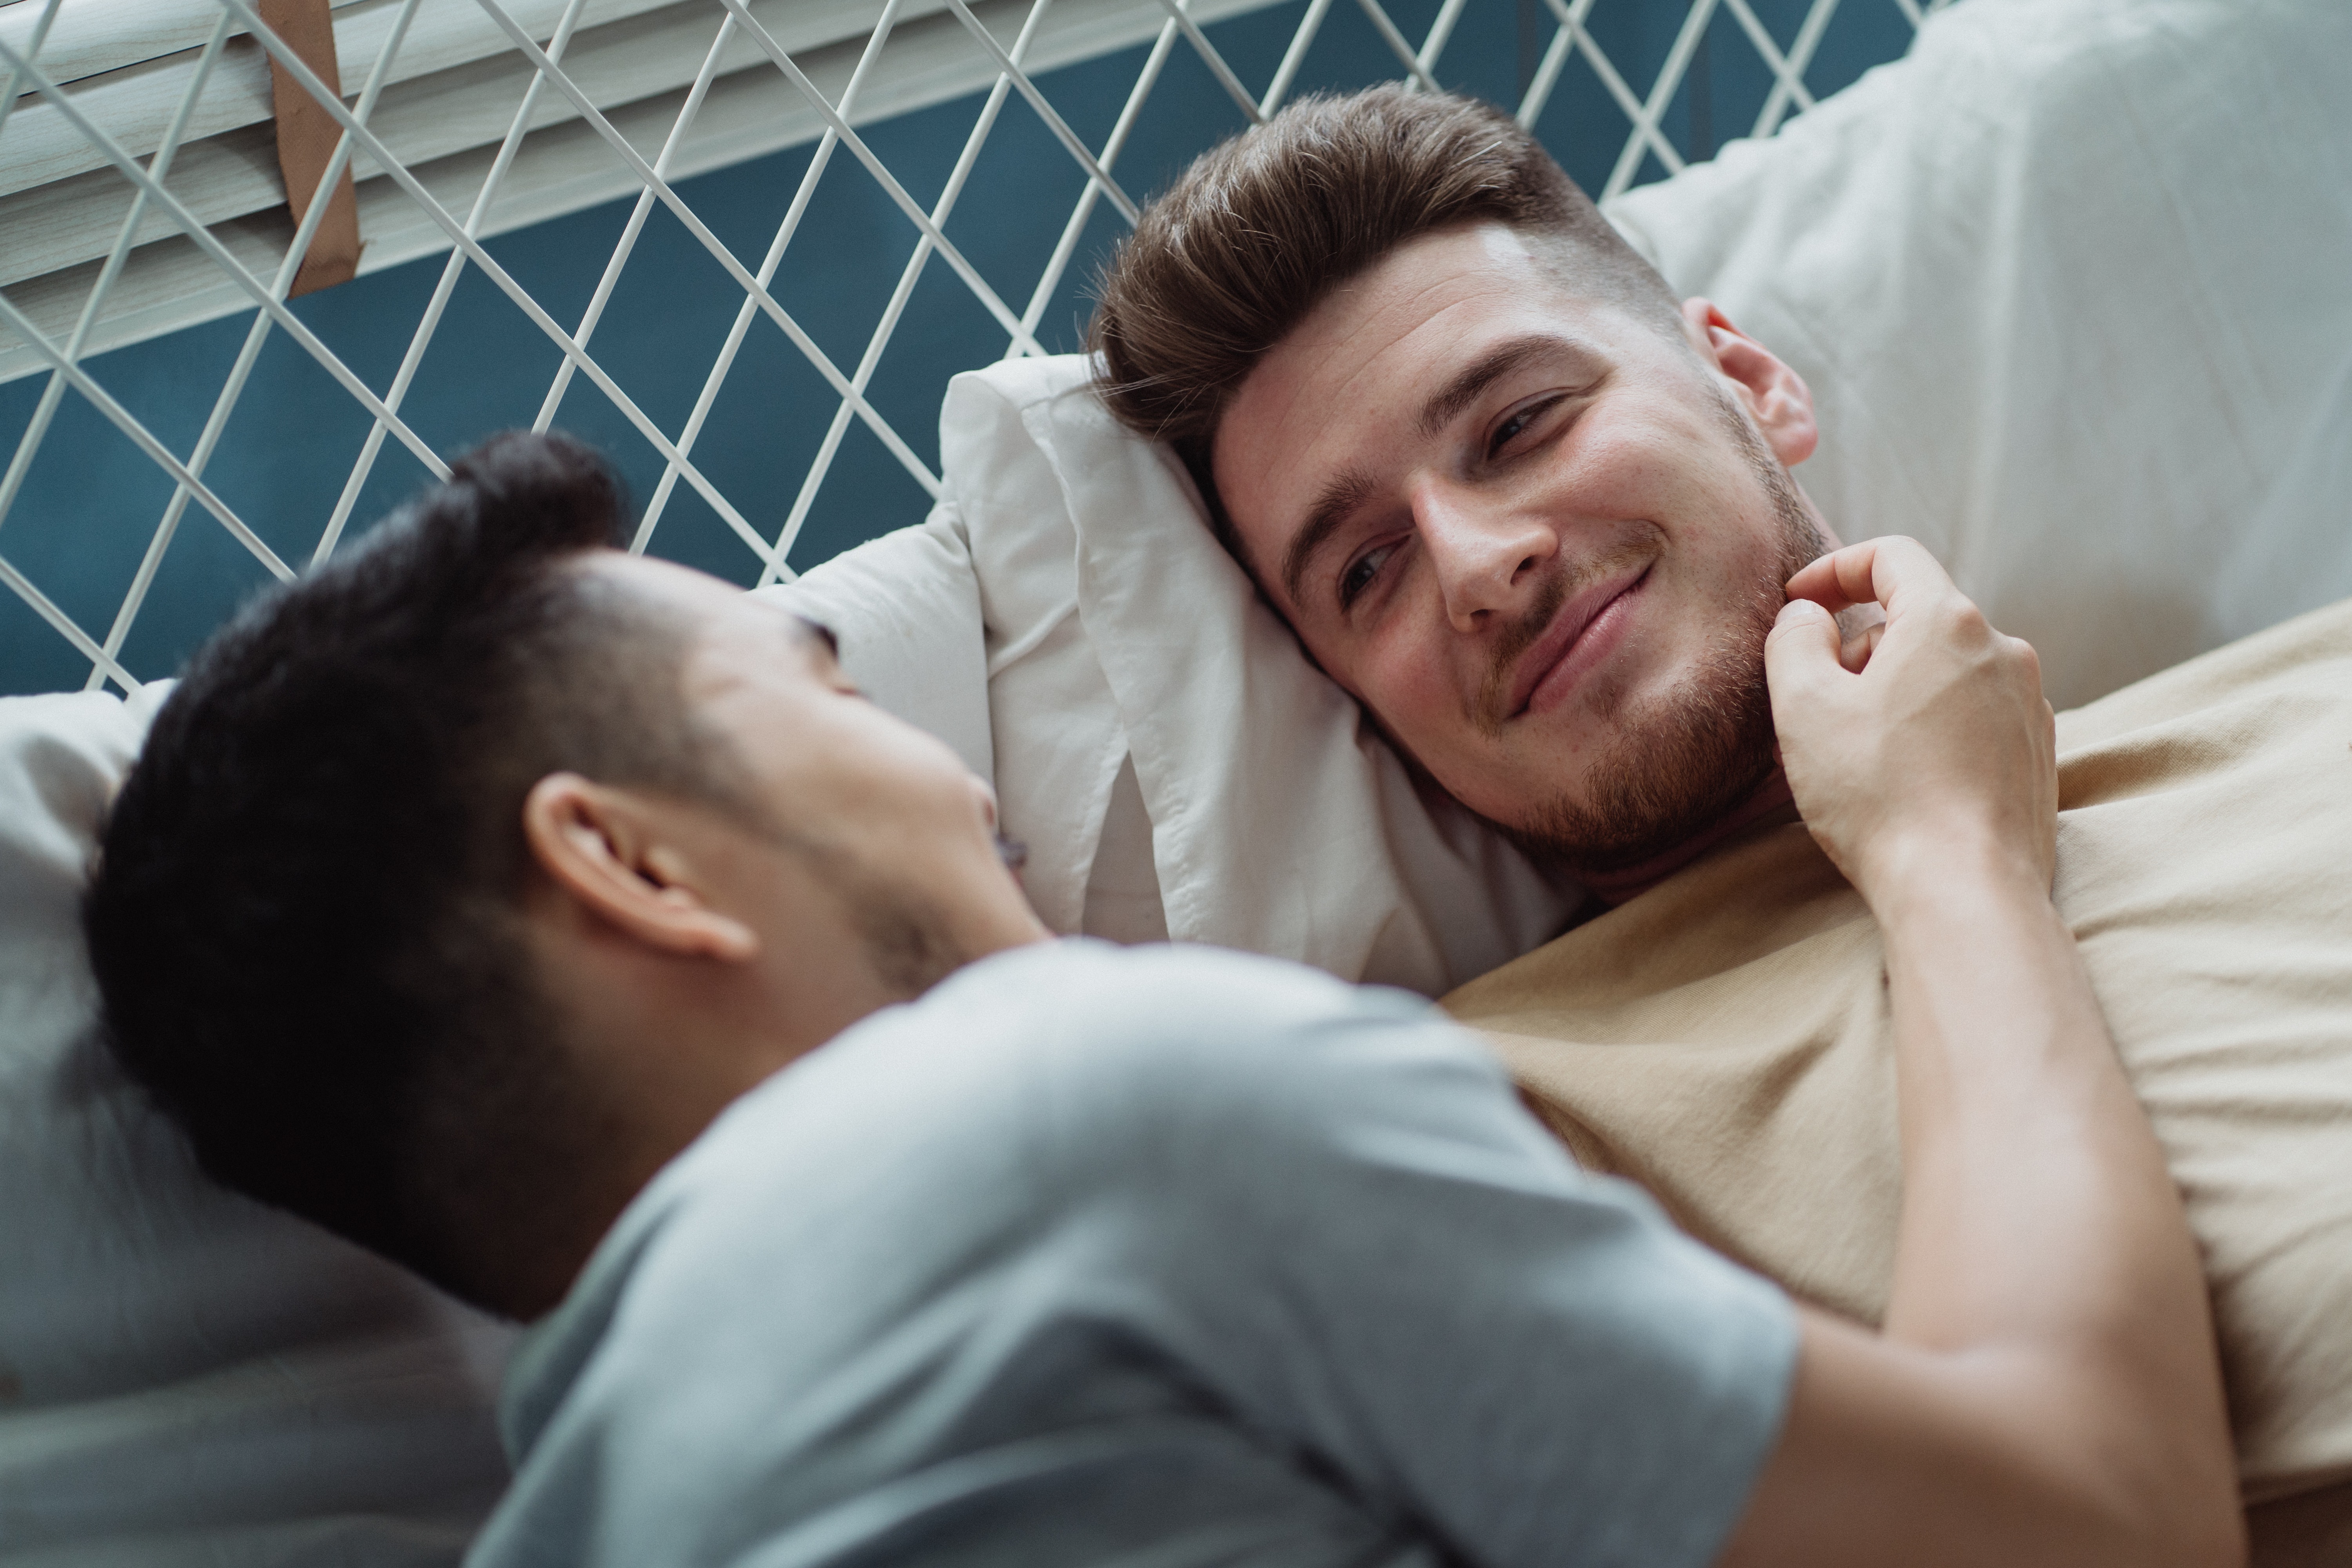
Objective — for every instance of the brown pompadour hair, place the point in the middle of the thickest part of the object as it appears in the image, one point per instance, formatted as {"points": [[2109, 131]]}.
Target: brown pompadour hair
{"points": [[1262, 228]]}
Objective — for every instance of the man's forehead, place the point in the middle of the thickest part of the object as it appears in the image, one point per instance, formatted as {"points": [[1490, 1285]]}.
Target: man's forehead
{"points": [[1433, 277], [664, 582]]}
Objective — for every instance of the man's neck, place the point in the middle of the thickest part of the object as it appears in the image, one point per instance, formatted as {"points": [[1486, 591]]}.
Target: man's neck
{"points": [[1768, 805]]}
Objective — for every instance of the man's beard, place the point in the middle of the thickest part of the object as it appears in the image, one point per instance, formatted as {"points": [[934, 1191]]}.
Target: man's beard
{"points": [[1671, 774], [909, 937]]}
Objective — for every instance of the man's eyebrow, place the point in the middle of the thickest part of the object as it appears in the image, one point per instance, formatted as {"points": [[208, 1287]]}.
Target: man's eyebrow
{"points": [[1348, 491], [1342, 495], [1490, 367]]}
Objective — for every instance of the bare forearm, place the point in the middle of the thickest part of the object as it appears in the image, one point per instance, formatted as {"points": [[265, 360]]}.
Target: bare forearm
{"points": [[2044, 1391], [2035, 1193], [2041, 1232]]}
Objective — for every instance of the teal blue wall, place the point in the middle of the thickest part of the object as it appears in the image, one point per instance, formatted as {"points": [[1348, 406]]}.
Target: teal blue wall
{"points": [[92, 500]]}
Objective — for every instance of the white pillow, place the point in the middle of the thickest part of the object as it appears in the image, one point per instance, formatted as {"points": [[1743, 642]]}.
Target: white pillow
{"points": [[2073, 287], [187, 1377], [908, 604]]}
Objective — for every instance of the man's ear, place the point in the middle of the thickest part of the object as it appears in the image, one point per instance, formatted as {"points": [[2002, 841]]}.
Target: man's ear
{"points": [[1775, 396], [611, 852]]}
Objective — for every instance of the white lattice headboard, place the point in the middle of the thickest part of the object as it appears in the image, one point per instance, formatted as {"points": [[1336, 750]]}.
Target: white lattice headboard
{"points": [[138, 196]]}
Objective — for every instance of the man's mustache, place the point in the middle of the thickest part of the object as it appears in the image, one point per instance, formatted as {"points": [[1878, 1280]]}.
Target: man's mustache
{"points": [[1560, 584]]}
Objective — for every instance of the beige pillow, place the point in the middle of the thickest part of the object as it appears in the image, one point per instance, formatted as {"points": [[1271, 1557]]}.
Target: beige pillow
{"points": [[1724, 1039]]}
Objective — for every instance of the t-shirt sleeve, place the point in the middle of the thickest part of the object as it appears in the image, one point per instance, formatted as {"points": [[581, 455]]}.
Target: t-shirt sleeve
{"points": [[1382, 1260]]}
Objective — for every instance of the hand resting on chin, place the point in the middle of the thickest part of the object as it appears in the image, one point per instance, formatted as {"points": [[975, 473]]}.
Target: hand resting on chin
{"points": [[2043, 1388], [1928, 729]]}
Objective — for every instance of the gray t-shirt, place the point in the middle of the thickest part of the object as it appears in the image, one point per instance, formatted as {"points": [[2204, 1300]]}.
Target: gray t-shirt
{"points": [[1154, 1258]]}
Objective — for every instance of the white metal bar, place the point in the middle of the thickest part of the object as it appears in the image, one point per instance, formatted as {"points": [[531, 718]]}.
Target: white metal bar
{"points": [[141, 436], [1662, 92], [1537, 97], [1216, 61], [1910, 9], [1045, 111], [627, 244], [160, 166], [1067, 246], [1787, 85], [864, 154], [720, 367], [47, 610], [1440, 32], [1294, 57], [40, 35], [1800, 59], [1398, 46], [444, 288], [249, 353], [408, 182], [1614, 83], [205, 241], [701, 231], [813, 480]]}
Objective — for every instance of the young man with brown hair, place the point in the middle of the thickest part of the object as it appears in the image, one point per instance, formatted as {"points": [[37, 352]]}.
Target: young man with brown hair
{"points": [[1527, 508]]}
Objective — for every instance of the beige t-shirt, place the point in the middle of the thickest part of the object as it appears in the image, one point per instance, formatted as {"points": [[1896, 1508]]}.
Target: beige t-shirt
{"points": [[1724, 1040]]}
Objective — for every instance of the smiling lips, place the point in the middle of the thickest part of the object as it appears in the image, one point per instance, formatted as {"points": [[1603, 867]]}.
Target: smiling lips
{"points": [[1561, 656]]}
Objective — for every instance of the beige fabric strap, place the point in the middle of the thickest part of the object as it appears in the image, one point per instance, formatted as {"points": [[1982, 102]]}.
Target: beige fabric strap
{"points": [[306, 141]]}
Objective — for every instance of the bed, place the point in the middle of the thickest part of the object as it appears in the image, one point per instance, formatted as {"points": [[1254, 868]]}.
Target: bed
{"points": [[2069, 283]]}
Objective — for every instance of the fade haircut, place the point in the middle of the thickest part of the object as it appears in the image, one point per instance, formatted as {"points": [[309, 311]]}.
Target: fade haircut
{"points": [[305, 914], [1261, 229]]}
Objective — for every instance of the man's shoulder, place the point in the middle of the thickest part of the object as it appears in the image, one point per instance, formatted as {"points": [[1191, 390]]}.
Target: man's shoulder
{"points": [[1020, 1100], [1031, 1067], [1092, 1002], [1068, 1044]]}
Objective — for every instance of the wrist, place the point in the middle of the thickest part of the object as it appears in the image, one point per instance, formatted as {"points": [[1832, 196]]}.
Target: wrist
{"points": [[1911, 872]]}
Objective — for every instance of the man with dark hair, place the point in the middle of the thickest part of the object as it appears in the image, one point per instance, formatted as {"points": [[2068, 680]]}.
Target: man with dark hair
{"points": [[564, 925], [1527, 508]]}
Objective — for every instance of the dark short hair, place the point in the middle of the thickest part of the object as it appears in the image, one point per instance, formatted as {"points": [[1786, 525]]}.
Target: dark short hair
{"points": [[1261, 228], [304, 915]]}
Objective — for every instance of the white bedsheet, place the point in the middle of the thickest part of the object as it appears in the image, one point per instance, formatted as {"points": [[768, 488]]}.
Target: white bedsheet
{"points": [[186, 1376]]}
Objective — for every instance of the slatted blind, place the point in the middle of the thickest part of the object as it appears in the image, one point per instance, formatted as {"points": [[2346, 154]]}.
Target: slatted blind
{"points": [[447, 99]]}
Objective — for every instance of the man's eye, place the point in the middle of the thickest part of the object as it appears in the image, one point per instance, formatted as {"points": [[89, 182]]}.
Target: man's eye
{"points": [[1518, 421], [1361, 572]]}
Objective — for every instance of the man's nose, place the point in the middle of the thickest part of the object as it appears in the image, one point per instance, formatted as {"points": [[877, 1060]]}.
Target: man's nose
{"points": [[1485, 555]]}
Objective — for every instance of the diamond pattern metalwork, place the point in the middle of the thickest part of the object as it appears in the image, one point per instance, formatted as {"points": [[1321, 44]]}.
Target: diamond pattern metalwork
{"points": [[733, 21]]}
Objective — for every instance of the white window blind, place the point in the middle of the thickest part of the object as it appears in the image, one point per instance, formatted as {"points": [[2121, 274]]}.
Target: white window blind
{"points": [[447, 97]]}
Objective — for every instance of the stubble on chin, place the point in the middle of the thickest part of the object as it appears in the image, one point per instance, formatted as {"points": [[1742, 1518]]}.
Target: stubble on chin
{"points": [[908, 936], [1672, 773]]}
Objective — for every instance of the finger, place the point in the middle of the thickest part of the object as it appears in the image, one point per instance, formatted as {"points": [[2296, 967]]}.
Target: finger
{"points": [[1837, 581], [1885, 570], [1800, 651], [1855, 654]]}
